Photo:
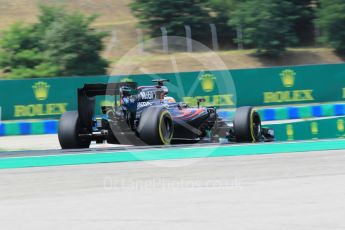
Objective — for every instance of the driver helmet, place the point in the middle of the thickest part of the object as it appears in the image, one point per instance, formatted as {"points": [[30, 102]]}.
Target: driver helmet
{"points": [[170, 99], [125, 91]]}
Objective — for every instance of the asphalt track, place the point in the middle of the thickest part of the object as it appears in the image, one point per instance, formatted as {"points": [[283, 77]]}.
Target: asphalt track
{"points": [[247, 187]]}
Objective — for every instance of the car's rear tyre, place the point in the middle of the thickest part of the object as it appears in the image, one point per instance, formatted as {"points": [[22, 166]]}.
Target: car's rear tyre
{"points": [[247, 125], [69, 130], [156, 126]]}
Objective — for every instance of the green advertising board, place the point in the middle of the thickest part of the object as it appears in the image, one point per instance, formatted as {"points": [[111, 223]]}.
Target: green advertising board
{"points": [[310, 130], [50, 97], [290, 85], [39, 98]]}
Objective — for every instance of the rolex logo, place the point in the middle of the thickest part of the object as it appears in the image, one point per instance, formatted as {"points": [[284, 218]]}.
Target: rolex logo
{"points": [[290, 132], [314, 128], [207, 82], [288, 77], [41, 90], [126, 79], [340, 125]]}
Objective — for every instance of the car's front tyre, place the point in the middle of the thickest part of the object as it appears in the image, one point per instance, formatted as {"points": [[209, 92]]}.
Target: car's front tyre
{"points": [[247, 125]]}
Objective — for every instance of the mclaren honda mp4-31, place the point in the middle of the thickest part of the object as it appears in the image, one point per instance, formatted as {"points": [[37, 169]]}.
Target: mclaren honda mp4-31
{"points": [[146, 115]]}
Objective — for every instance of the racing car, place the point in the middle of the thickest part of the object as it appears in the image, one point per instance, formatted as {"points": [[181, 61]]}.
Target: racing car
{"points": [[146, 115]]}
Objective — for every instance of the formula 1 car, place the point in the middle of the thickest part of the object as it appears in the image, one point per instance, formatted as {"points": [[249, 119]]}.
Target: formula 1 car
{"points": [[145, 115]]}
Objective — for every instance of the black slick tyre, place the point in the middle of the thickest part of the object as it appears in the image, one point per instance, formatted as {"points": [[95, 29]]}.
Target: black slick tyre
{"points": [[247, 125], [156, 126], [69, 130]]}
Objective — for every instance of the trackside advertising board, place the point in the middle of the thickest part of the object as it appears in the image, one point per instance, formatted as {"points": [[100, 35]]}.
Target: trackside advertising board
{"points": [[51, 97], [310, 130], [321, 128]]}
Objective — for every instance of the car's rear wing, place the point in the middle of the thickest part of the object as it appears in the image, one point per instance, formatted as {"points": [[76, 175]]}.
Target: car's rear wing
{"points": [[86, 99], [98, 89]]}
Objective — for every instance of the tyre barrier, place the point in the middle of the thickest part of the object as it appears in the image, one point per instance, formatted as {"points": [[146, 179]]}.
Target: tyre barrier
{"points": [[36, 127], [302, 112]]}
